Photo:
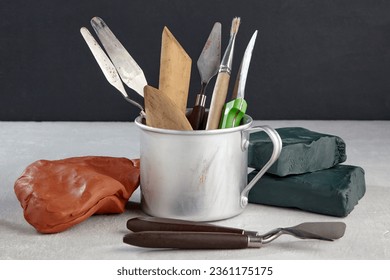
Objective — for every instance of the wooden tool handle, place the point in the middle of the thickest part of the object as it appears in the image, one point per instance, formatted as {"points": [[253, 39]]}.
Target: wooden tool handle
{"points": [[196, 117], [186, 240], [162, 224], [218, 100]]}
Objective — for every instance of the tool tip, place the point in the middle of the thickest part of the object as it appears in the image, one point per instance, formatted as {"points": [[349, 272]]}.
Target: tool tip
{"points": [[95, 21], [235, 24]]}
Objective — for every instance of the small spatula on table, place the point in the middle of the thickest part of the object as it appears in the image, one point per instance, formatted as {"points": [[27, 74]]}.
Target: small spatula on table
{"points": [[170, 233]]}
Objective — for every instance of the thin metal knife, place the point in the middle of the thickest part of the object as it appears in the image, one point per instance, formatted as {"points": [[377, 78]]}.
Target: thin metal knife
{"points": [[128, 69], [234, 110]]}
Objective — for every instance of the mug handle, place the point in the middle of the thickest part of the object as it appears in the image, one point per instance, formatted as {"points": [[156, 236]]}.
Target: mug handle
{"points": [[277, 143]]}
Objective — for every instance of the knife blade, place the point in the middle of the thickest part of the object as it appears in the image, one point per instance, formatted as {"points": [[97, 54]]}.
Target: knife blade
{"points": [[128, 69], [234, 110], [107, 67]]}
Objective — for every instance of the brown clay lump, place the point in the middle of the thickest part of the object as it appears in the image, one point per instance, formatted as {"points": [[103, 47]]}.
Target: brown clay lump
{"points": [[57, 194]]}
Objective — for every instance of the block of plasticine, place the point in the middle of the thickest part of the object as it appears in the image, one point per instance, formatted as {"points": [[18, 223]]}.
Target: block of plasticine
{"points": [[58, 194], [334, 191], [303, 151]]}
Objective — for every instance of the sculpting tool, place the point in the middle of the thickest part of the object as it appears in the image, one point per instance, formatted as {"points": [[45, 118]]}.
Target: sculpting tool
{"points": [[208, 64], [234, 110], [129, 71], [222, 83], [170, 233], [175, 70], [107, 67], [162, 112]]}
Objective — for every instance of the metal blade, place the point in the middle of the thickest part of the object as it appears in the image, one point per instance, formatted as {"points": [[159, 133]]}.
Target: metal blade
{"points": [[131, 74], [210, 58], [328, 231], [106, 66], [103, 61], [239, 87], [324, 230]]}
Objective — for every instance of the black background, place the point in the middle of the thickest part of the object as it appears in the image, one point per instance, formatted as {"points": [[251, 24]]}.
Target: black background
{"points": [[312, 60]]}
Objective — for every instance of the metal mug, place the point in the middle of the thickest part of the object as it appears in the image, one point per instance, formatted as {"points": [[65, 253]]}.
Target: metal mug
{"points": [[198, 175]]}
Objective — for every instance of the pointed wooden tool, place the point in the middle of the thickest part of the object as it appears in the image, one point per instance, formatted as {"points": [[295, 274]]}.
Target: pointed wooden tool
{"points": [[175, 70], [162, 112]]}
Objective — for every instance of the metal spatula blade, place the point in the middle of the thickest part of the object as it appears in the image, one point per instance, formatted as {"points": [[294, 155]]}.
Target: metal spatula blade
{"points": [[208, 65], [328, 231], [128, 69], [103, 61], [210, 58], [107, 67]]}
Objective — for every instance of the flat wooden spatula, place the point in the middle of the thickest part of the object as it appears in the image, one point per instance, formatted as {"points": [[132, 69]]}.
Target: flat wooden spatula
{"points": [[175, 70], [162, 112]]}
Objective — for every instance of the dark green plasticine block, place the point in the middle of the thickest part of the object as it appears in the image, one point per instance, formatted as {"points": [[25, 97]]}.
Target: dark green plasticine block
{"points": [[303, 151], [334, 191]]}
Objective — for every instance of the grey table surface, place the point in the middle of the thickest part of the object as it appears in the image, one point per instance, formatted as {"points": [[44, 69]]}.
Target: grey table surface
{"points": [[100, 237]]}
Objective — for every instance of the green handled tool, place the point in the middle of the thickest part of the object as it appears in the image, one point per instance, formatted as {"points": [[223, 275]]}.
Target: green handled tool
{"points": [[234, 110]]}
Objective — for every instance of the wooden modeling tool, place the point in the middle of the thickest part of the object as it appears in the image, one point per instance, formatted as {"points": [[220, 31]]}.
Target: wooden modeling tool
{"points": [[175, 70], [162, 112]]}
